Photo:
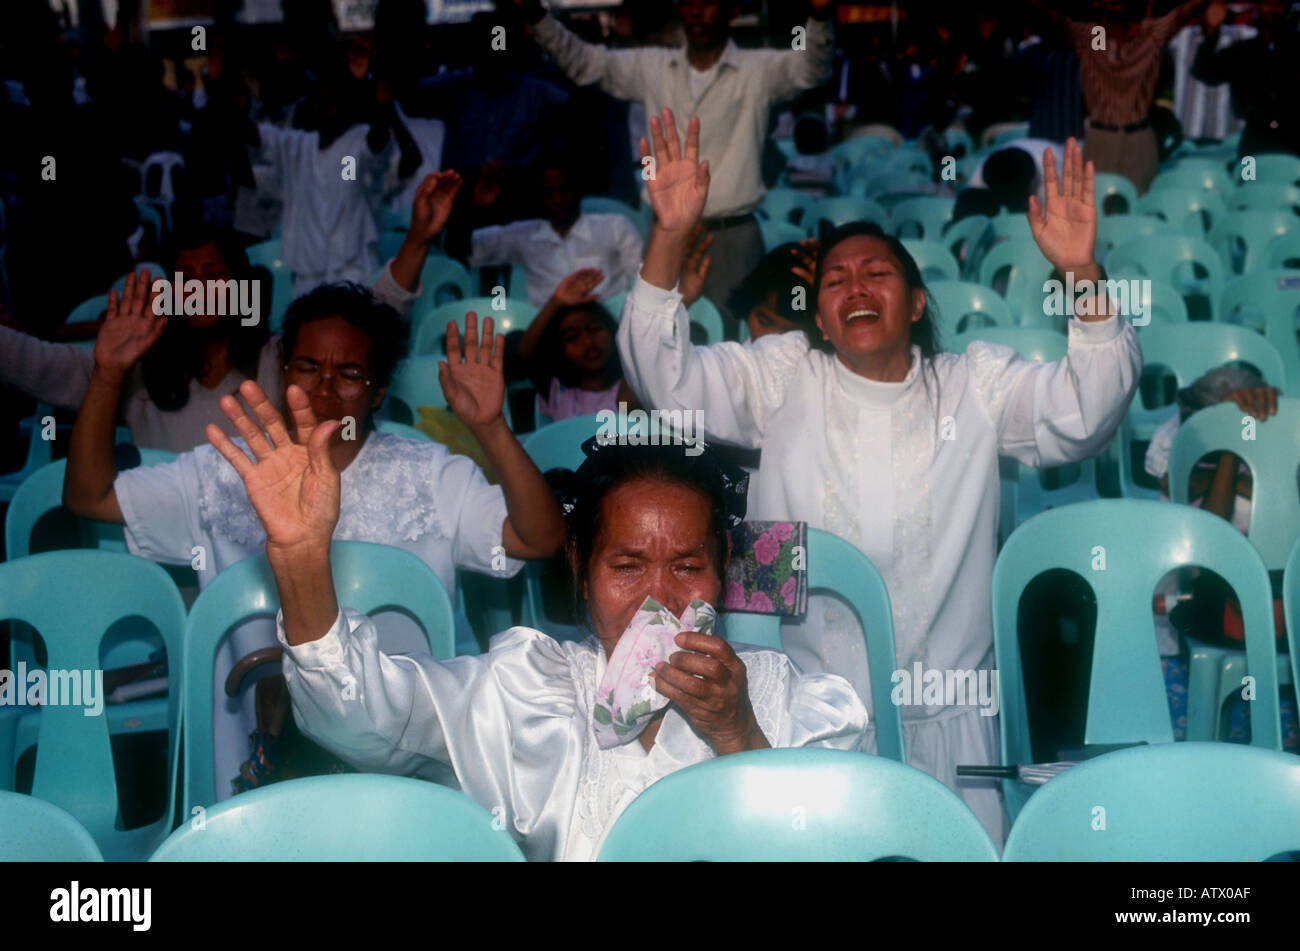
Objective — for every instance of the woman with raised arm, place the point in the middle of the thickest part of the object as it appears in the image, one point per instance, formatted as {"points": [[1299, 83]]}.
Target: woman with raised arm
{"points": [[879, 437], [554, 738]]}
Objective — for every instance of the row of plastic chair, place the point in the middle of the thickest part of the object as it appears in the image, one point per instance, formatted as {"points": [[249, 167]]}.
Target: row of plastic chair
{"points": [[1211, 174], [767, 805]]}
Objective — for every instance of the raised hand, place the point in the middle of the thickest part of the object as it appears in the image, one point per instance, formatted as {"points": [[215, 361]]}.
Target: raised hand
{"points": [[432, 206], [474, 385], [487, 189], [293, 485], [1067, 232], [695, 268], [1258, 401], [130, 326], [577, 287], [708, 683], [680, 182]]}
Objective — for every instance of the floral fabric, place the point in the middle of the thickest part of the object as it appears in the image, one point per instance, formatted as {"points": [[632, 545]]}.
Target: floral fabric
{"points": [[626, 699], [762, 576]]}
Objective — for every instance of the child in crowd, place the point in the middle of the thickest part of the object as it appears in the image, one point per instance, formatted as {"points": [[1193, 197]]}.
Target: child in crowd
{"points": [[812, 170], [768, 296]]}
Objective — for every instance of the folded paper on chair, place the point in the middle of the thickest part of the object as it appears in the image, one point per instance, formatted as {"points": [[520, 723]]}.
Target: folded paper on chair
{"points": [[626, 698]]}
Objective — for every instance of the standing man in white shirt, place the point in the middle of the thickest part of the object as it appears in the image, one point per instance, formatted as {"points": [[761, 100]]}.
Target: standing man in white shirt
{"points": [[730, 89]]}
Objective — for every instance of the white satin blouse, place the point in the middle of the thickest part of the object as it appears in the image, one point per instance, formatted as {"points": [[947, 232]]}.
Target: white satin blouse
{"points": [[513, 727]]}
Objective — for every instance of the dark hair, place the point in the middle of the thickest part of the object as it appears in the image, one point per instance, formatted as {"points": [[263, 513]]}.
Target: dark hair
{"points": [[924, 332], [177, 358], [1010, 174], [609, 466], [811, 136], [550, 351], [775, 275], [973, 201], [362, 310]]}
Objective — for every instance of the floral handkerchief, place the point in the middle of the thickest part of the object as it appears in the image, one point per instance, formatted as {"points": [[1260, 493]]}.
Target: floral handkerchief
{"points": [[766, 574], [625, 698]]}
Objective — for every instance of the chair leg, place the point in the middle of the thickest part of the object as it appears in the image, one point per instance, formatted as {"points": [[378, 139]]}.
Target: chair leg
{"points": [[1203, 691]]}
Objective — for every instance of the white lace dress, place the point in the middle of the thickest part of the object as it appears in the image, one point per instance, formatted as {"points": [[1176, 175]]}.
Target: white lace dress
{"points": [[907, 471], [514, 728], [409, 494]]}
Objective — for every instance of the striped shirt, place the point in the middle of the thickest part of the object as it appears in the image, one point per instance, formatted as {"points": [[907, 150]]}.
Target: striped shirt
{"points": [[1119, 81]]}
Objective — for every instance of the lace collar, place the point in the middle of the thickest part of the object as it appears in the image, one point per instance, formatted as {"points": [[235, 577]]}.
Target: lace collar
{"points": [[386, 494]]}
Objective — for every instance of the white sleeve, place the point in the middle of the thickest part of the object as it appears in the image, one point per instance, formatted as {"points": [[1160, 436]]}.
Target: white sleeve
{"points": [[283, 148], [629, 250], [1049, 414], [494, 244], [795, 709], [738, 386], [160, 508], [476, 512], [790, 72], [1162, 441], [54, 373], [623, 74], [387, 290]]}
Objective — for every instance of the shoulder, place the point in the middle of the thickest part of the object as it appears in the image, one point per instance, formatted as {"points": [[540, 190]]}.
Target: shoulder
{"points": [[534, 666]]}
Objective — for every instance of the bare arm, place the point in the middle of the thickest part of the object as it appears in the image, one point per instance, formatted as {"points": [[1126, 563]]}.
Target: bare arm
{"points": [[429, 213], [574, 289]]}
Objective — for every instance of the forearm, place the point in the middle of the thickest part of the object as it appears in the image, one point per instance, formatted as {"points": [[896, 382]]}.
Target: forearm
{"points": [[306, 587], [531, 512], [409, 262], [663, 257], [91, 470], [537, 329], [1221, 499]]}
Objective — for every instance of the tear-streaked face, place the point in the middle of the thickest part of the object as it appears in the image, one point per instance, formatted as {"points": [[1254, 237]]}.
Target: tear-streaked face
{"points": [[864, 306]]}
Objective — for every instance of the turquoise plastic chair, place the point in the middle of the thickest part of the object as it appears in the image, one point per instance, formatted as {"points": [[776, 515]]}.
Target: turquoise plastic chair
{"points": [[1265, 196], [958, 140], [267, 254], [415, 384], [89, 310], [73, 598], [395, 219], [909, 160], [1158, 300], [1116, 229], [1192, 211], [390, 242], [861, 149], [1284, 252], [1178, 802], [367, 577], [925, 215], [777, 233], [642, 217], [1210, 174], [1275, 167], [1006, 225], [1267, 300], [967, 239], [153, 267], [1291, 608], [1140, 542], [428, 325], [39, 453], [786, 205], [797, 805], [1242, 238], [444, 279], [343, 818], [871, 183], [1171, 260], [836, 566], [1273, 456], [955, 301], [935, 261], [1009, 132], [1027, 271], [1108, 184], [1187, 352], [843, 210], [32, 830]]}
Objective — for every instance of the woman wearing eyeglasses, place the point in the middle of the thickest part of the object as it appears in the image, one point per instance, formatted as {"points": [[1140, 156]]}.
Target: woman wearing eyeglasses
{"points": [[340, 346]]}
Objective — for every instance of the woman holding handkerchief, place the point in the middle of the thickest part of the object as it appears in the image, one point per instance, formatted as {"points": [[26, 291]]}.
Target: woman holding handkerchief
{"points": [[554, 738]]}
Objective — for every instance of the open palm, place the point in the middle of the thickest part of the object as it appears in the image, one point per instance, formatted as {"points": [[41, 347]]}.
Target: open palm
{"points": [[474, 385], [293, 485], [432, 205], [130, 326], [1067, 232], [680, 183]]}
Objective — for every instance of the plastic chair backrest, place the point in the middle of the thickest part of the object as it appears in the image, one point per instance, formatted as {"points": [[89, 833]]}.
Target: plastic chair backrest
{"points": [[1166, 259], [1116, 229], [1284, 252], [166, 163], [33, 830], [1272, 452], [777, 233], [1291, 608], [1264, 196], [428, 325], [1183, 209], [1008, 225], [1206, 173], [842, 210], [966, 239], [861, 149], [390, 242], [1276, 167], [89, 310], [1255, 230], [928, 213], [1177, 802], [415, 384], [72, 598], [958, 140], [910, 160], [935, 261], [441, 274], [955, 300], [267, 254], [1108, 184], [367, 577], [1123, 548], [364, 817], [836, 566], [855, 807], [600, 205], [1159, 301], [1274, 295], [786, 205], [1029, 270]]}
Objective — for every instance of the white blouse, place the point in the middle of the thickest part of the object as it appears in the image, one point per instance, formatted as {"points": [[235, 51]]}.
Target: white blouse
{"points": [[514, 728], [907, 471]]}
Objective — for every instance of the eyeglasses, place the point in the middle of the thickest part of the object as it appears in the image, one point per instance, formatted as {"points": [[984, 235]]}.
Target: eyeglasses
{"points": [[349, 382]]}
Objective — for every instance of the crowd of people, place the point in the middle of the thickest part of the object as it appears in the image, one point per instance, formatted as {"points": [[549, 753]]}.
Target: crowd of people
{"points": [[831, 402]]}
